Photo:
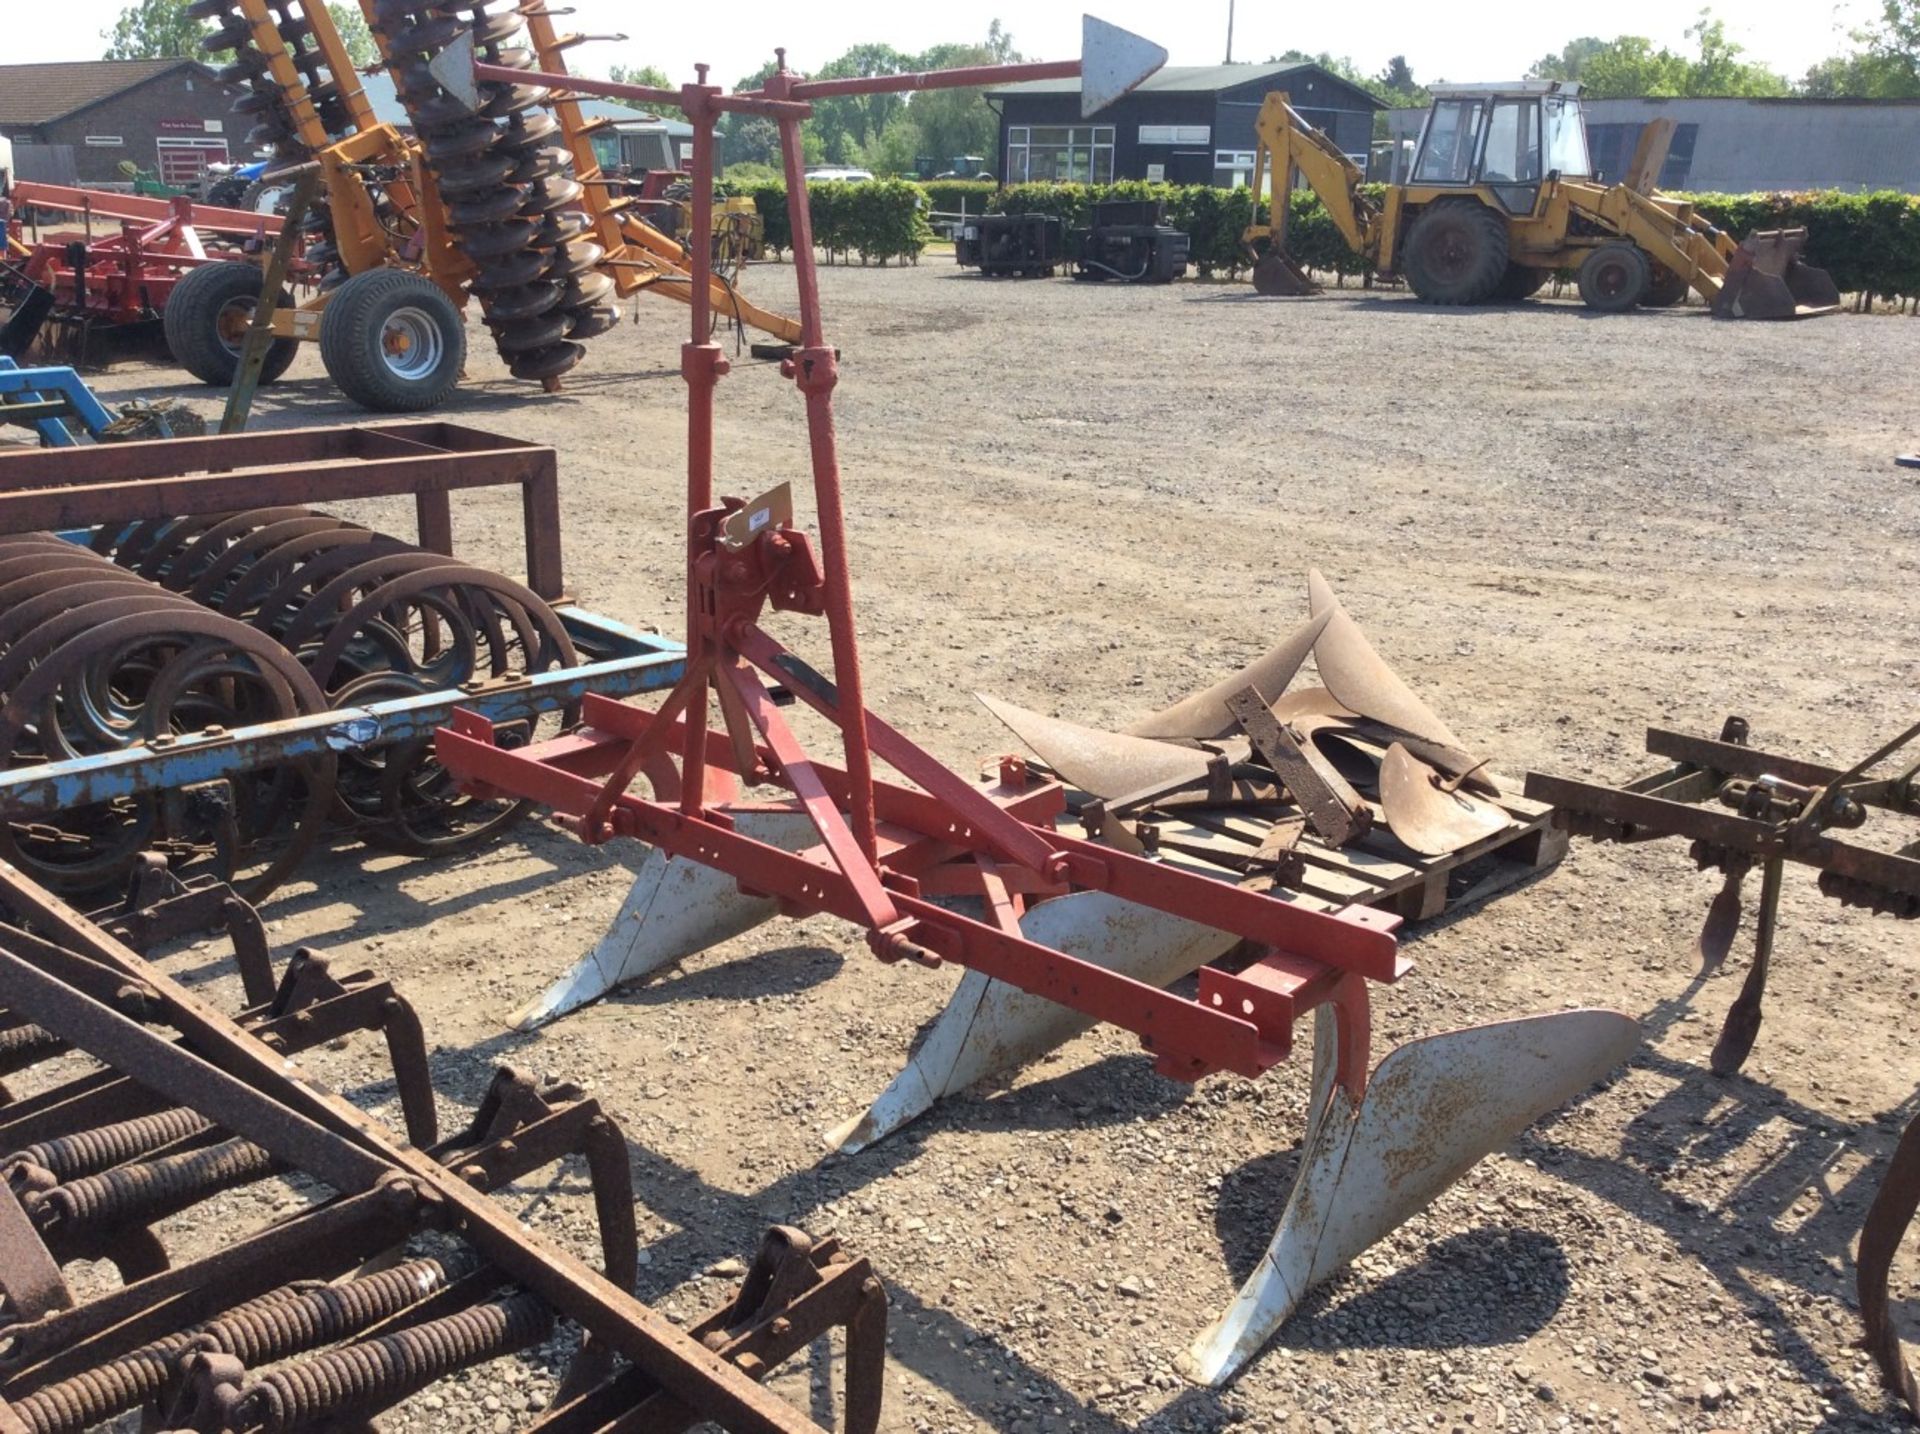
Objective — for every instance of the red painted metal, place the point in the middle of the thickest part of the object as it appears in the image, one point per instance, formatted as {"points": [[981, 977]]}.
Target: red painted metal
{"points": [[127, 275], [885, 848]]}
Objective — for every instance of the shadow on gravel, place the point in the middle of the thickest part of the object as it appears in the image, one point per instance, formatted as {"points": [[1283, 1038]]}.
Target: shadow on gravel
{"points": [[1777, 1234], [1478, 1289], [775, 971]]}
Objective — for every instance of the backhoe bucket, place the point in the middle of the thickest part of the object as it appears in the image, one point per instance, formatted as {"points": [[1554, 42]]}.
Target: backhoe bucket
{"points": [[1767, 280], [674, 909], [990, 1028], [1276, 275], [1433, 1108]]}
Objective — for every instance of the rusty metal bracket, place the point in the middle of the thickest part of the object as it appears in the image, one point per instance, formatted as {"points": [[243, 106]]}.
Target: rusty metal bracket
{"points": [[1337, 813]]}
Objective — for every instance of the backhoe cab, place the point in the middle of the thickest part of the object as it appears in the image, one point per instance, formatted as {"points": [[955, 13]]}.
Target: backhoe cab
{"points": [[1501, 195]]}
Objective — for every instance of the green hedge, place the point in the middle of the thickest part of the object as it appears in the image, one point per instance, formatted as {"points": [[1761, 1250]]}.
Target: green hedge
{"points": [[945, 196], [1870, 243], [877, 219]]}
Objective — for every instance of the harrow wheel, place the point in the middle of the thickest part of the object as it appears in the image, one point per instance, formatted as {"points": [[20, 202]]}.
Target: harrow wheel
{"points": [[393, 341], [206, 321]]}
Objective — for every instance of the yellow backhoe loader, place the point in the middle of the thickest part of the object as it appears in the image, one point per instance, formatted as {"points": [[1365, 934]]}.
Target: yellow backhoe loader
{"points": [[1501, 195], [507, 208]]}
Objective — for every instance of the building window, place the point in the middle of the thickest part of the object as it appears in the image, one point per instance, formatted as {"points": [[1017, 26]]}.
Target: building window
{"points": [[1613, 146], [1233, 168], [1175, 134], [1065, 154], [105, 141]]}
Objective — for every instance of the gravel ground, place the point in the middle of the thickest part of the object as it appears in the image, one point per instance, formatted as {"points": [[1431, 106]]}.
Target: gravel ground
{"points": [[1089, 500]]}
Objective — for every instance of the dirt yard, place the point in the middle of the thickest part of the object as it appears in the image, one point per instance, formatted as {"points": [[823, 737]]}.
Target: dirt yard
{"points": [[1089, 500]]}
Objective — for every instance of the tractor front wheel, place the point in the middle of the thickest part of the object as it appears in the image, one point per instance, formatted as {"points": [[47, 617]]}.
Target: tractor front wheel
{"points": [[1457, 253], [206, 321], [393, 341], [1615, 277]]}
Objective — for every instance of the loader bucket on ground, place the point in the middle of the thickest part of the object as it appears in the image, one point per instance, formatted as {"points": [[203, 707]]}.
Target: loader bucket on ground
{"points": [[1766, 279], [1433, 1108], [1277, 275]]}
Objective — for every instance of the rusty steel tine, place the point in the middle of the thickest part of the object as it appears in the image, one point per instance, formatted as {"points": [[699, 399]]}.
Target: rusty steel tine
{"points": [[1337, 813], [1722, 922], [184, 1076], [302, 1123], [1206, 714], [1887, 1221], [1742, 1025]]}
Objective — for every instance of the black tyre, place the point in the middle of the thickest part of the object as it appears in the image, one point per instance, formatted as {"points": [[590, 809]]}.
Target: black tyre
{"points": [[1521, 282], [1457, 253], [1615, 277], [206, 320], [393, 341], [1666, 289]]}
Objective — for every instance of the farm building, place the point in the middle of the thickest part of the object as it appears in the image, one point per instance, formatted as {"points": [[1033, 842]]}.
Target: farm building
{"points": [[1738, 146], [1186, 124], [76, 121]]}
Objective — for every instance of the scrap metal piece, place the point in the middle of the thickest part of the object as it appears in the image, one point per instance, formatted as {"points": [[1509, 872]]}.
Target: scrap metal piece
{"points": [[1359, 678], [1887, 1222], [1311, 702], [1337, 813], [1206, 715], [1373, 1160], [1430, 814], [989, 1028], [1742, 1024], [1105, 764]]}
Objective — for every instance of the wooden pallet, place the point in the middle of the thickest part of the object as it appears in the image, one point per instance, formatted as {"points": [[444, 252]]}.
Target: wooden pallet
{"points": [[1378, 870]]}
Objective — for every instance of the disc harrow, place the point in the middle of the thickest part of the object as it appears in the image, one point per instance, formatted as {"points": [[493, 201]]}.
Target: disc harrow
{"points": [[295, 103], [511, 196], [162, 629], [395, 1270]]}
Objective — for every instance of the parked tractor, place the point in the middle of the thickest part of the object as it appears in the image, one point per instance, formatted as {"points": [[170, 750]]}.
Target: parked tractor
{"points": [[1501, 195]]}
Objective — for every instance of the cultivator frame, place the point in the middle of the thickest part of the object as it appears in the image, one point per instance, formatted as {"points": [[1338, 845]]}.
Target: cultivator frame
{"points": [[120, 279], [308, 1321], [884, 855], [1741, 808]]}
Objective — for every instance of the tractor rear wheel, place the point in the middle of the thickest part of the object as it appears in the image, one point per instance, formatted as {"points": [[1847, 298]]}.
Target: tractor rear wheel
{"points": [[393, 341], [1666, 289], [1615, 277], [206, 320], [1457, 253]]}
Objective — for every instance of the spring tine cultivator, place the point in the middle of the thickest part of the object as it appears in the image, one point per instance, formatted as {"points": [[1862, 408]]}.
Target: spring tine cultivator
{"points": [[1056, 931], [395, 1270], [1743, 808]]}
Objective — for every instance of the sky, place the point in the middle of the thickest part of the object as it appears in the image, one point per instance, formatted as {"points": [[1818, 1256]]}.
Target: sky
{"points": [[1492, 40]]}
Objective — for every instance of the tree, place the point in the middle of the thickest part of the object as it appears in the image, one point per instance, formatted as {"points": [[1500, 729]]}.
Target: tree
{"points": [[895, 148], [1631, 66], [1570, 63], [1885, 67], [354, 33], [953, 123], [654, 78], [847, 124], [154, 30], [1396, 87]]}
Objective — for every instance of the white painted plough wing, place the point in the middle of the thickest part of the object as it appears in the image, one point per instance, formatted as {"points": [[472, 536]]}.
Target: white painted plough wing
{"points": [[674, 909], [990, 1027], [1433, 1108]]}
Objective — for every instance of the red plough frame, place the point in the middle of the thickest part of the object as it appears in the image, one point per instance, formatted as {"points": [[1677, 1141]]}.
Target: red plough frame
{"points": [[884, 849]]}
